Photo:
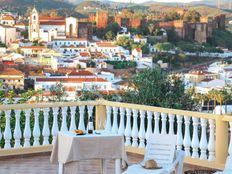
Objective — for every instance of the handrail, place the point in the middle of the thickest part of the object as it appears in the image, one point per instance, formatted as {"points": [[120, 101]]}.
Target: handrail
{"points": [[47, 105], [159, 109]]}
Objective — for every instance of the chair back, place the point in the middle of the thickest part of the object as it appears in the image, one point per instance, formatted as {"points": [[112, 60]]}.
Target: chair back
{"points": [[161, 148]]}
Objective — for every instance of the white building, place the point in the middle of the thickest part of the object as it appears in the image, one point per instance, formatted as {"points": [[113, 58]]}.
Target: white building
{"points": [[78, 84], [8, 34]]}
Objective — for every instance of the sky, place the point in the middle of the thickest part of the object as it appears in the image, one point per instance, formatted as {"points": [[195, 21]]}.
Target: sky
{"points": [[140, 1]]}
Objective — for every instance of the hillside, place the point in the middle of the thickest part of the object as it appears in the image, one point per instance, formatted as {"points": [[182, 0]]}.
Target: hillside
{"points": [[21, 6]]}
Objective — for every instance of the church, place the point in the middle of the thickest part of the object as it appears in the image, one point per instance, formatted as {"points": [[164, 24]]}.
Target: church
{"points": [[46, 28]]}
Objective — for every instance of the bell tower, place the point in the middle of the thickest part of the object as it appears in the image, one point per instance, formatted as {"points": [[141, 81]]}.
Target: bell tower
{"points": [[34, 25]]}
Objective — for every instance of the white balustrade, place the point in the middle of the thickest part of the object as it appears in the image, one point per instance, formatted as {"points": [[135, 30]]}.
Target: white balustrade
{"points": [[115, 120], [17, 130], [164, 123], [128, 127], [187, 139], [64, 126], [7, 131], [108, 118], [230, 145], [157, 119], [195, 139], [203, 141], [211, 144], [142, 130], [121, 128], [45, 131], [135, 131], [73, 120], [171, 124], [149, 124], [27, 129], [55, 127], [81, 125], [179, 132], [36, 130]]}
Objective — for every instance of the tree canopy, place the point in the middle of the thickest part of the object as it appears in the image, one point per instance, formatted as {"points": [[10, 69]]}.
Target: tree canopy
{"points": [[192, 16]]}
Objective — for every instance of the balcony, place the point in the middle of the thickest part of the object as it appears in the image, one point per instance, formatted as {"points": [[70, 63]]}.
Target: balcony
{"points": [[28, 131]]}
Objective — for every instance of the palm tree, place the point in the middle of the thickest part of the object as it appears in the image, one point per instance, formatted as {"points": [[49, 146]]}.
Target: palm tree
{"points": [[220, 97], [200, 98]]}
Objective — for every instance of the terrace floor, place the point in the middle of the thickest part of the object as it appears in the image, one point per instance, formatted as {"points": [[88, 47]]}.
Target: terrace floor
{"points": [[40, 164]]}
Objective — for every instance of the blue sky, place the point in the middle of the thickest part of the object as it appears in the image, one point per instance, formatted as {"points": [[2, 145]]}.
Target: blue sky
{"points": [[140, 1]]}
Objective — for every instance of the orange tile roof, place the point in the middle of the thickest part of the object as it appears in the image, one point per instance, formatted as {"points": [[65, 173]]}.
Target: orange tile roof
{"points": [[106, 44], [11, 72], [8, 18], [33, 47], [81, 73], [71, 80], [84, 54]]}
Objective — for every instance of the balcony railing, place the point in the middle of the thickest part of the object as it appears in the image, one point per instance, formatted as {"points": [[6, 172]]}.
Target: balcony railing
{"points": [[31, 128]]}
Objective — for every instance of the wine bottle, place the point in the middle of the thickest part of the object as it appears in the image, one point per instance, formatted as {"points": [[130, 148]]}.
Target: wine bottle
{"points": [[90, 125]]}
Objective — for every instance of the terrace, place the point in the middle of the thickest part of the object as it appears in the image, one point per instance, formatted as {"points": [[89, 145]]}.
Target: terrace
{"points": [[27, 137]]}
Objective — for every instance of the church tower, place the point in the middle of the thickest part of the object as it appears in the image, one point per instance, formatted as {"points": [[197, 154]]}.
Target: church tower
{"points": [[34, 25]]}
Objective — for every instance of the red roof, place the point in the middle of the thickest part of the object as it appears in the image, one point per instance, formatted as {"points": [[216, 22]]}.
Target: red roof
{"points": [[48, 18], [52, 23], [71, 80], [81, 73]]}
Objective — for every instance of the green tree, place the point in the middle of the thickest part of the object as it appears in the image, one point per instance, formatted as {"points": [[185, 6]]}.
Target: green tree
{"points": [[192, 16], [166, 46], [58, 92], [109, 35], [152, 87], [125, 42]]}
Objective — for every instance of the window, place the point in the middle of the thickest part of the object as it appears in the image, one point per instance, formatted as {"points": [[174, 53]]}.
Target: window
{"points": [[34, 18]]}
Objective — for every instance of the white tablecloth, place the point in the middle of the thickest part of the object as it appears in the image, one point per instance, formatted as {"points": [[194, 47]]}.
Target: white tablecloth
{"points": [[70, 148]]}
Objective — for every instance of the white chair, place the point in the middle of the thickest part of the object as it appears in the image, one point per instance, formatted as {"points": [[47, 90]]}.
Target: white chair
{"points": [[228, 166], [161, 148]]}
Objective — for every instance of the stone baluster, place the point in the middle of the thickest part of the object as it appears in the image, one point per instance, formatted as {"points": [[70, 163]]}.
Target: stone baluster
{"points": [[142, 130], [27, 129], [171, 124], [187, 139], [17, 130], [179, 132], [157, 119], [55, 127], [108, 118], [45, 131], [73, 120], [135, 131], [81, 125], [211, 144], [149, 124], [203, 142], [36, 130], [64, 120], [195, 139], [230, 145], [121, 128], [115, 120], [164, 123], [7, 132], [128, 127], [90, 111]]}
